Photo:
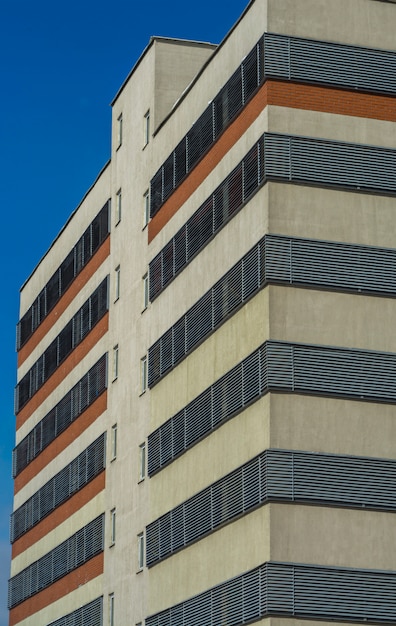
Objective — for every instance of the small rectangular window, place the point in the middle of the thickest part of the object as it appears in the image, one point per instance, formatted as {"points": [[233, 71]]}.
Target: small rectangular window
{"points": [[117, 283], [118, 207], [111, 610], [145, 291], [115, 362], [142, 461], [114, 442], [146, 207], [143, 374], [119, 130], [140, 547], [146, 128], [112, 527]]}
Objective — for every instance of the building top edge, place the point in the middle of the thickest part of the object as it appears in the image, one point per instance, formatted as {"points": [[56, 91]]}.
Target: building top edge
{"points": [[106, 165]]}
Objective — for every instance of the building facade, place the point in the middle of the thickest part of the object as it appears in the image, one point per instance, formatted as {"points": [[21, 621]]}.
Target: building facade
{"points": [[206, 404]]}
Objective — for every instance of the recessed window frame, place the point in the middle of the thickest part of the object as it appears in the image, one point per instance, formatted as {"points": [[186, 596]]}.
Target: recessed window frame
{"points": [[115, 362], [140, 551], [117, 283], [146, 128], [113, 518], [114, 432], [142, 461], [143, 374], [120, 123], [111, 609], [146, 208], [118, 207], [146, 291]]}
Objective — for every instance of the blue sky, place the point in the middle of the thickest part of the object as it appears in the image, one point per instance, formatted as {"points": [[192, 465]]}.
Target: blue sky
{"points": [[61, 65]]}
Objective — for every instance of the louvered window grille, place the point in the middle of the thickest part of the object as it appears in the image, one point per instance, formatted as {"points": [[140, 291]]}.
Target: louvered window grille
{"points": [[88, 615], [280, 260], [273, 157], [274, 475], [73, 333], [77, 258], [75, 551], [275, 366], [286, 589], [281, 57], [79, 398], [70, 479]]}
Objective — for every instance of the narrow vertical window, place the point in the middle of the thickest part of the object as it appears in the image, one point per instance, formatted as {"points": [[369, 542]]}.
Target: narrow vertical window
{"points": [[146, 128], [111, 610], [117, 283], [143, 374], [118, 207], [146, 207], [140, 547], [115, 362], [114, 442], [145, 291], [119, 130], [112, 527], [142, 461]]}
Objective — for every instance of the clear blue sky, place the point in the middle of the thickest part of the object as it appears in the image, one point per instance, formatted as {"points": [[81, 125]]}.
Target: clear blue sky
{"points": [[61, 65]]}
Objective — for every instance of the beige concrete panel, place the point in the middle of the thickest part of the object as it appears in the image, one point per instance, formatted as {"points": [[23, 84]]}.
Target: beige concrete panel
{"points": [[80, 219], [78, 371], [60, 461], [333, 425], [328, 214], [332, 536], [234, 443], [218, 557], [233, 341], [177, 64], [332, 319], [330, 126], [62, 532], [69, 603], [357, 22]]}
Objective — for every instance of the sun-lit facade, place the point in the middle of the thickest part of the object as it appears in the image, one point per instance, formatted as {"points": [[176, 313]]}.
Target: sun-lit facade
{"points": [[206, 404]]}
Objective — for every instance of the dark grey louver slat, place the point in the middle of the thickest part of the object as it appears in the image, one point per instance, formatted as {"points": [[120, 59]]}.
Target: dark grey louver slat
{"points": [[274, 475], [287, 589], [275, 366], [90, 614], [73, 477]]}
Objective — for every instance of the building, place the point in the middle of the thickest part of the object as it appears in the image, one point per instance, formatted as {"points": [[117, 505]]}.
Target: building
{"points": [[206, 398]]}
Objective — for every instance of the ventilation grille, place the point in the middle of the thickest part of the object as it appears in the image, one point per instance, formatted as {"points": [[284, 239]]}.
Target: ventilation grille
{"points": [[88, 615], [79, 398], [274, 56], [73, 333], [82, 252], [287, 158], [281, 260], [275, 475], [73, 477], [285, 589], [75, 551], [275, 366]]}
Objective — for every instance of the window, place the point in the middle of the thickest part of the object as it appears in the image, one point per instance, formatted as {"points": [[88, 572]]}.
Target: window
{"points": [[140, 546], [115, 362], [142, 461], [111, 609], [118, 207], [119, 130], [112, 527], [143, 374], [145, 291], [146, 128], [114, 442], [117, 283], [146, 214]]}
